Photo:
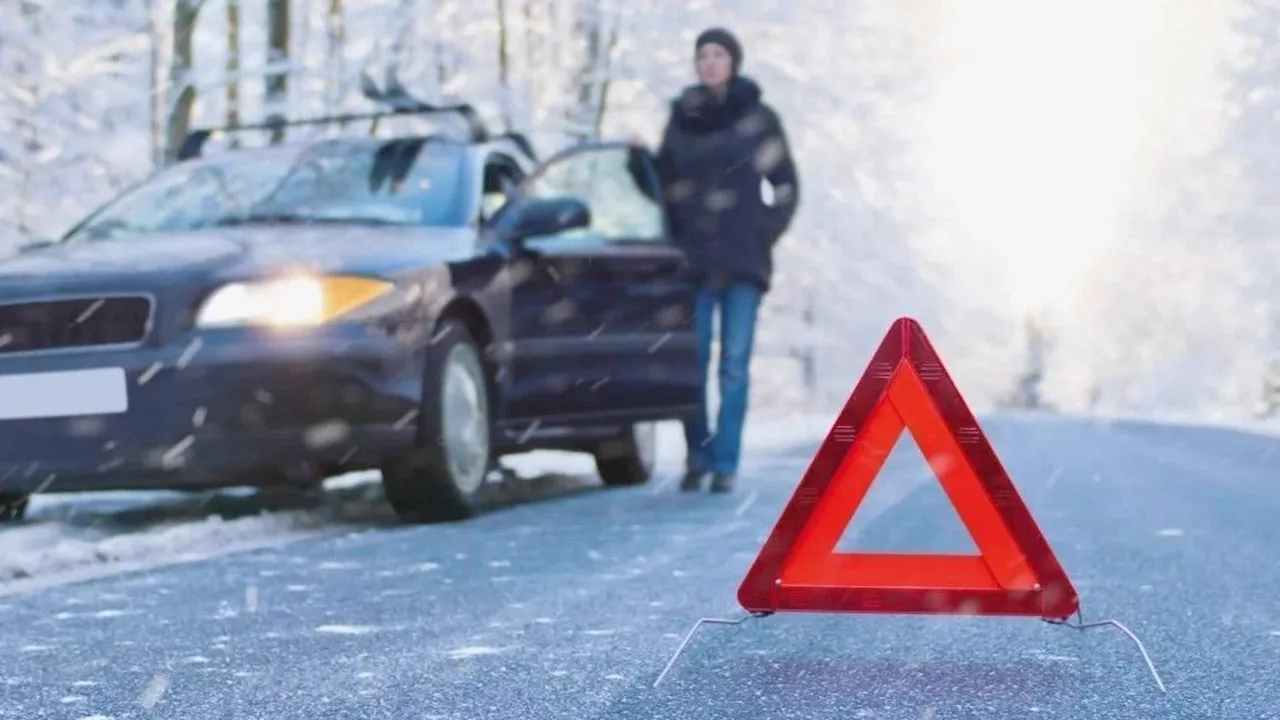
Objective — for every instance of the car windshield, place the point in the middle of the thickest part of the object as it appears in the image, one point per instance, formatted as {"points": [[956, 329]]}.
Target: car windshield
{"points": [[398, 182]]}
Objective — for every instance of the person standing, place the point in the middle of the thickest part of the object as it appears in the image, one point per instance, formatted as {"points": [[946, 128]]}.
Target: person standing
{"points": [[721, 150]]}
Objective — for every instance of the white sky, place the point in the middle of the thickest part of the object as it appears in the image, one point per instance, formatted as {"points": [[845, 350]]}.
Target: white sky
{"points": [[1042, 116]]}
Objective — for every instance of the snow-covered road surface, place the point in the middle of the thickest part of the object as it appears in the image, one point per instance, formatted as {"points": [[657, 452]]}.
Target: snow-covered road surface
{"points": [[569, 608]]}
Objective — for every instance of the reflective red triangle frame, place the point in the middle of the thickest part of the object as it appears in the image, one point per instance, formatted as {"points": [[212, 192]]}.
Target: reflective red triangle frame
{"points": [[905, 386]]}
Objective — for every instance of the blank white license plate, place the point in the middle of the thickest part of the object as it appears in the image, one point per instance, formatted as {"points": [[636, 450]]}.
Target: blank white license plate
{"points": [[100, 391]]}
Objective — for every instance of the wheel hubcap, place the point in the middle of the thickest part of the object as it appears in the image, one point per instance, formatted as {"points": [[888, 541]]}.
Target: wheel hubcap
{"points": [[646, 440], [465, 422]]}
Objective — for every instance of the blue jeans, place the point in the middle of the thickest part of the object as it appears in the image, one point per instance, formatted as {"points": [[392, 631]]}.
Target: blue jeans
{"points": [[717, 450]]}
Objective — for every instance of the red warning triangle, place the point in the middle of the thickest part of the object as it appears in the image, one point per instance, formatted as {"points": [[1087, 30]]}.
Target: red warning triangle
{"points": [[906, 387]]}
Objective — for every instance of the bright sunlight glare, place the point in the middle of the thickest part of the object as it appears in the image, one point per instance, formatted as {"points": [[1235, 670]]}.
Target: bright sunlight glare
{"points": [[1034, 133]]}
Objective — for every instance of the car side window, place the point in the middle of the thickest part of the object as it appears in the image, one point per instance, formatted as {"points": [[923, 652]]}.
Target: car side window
{"points": [[600, 177], [501, 178]]}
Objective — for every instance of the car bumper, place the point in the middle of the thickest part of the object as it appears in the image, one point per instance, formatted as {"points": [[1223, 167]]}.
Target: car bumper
{"points": [[219, 409]]}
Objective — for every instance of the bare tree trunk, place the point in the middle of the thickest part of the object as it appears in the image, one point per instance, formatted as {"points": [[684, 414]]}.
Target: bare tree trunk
{"points": [[584, 114], [181, 68], [504, 64], [153, 97], [555, 56], [444, 65], [404, 30], [300, 44], [446, 62], [277, 77], [604, 79], [335, 58], [233, 65], [583, 33], [28, 71], [533, 45]]}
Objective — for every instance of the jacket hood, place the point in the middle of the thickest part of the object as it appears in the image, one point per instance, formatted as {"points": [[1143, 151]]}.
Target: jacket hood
{"points": [[698, 110]]}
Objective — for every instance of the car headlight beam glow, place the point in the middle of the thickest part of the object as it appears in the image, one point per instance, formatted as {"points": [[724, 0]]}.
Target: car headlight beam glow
{"points": [[303, 301]]}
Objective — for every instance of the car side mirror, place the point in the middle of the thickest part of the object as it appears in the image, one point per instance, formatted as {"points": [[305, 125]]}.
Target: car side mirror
{"points": [[547, 216]]}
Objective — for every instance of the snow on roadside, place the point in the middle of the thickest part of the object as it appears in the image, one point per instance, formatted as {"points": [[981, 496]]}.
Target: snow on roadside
{"points": [[59, 547], [75, 537]]}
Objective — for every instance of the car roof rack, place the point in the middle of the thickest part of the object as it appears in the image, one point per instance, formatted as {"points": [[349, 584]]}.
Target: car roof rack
{"points": [[394, 97]]}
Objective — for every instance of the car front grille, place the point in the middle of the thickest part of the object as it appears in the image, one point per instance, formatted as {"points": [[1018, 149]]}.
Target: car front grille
{"points": [[71, 323]]}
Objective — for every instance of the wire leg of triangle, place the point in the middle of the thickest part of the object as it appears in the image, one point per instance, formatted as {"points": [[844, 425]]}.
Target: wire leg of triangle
{"points": [[1080, 624], [689, 636]]}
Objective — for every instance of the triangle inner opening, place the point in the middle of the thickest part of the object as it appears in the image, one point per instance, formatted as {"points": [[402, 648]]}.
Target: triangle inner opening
{"points": [[906, 510]]}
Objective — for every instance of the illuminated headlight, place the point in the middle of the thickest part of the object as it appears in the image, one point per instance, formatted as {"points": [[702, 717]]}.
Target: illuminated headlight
{"points": [[289, 302]]}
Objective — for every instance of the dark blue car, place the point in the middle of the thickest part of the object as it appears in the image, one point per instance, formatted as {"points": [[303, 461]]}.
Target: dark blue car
{"points": [[419, 304]]}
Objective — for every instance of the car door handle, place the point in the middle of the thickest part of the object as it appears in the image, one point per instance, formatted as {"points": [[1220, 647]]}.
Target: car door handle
{"points": [[646, 289], [652, 266]]}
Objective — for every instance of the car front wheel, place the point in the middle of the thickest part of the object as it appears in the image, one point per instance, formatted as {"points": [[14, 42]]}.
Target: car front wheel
{"points": [[443, 478], [629, 458]]}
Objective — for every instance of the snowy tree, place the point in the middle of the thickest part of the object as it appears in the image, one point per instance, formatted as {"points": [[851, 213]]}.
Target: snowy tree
{"points": [[68, 124], [1180, 316], [845, 77], [1254, 101]]}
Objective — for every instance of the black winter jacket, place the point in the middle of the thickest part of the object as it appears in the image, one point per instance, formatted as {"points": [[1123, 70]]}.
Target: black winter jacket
{"points": [[713, 157]]}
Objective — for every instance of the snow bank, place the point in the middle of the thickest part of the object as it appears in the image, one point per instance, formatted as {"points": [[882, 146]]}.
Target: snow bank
{"points": [[82, 536]]}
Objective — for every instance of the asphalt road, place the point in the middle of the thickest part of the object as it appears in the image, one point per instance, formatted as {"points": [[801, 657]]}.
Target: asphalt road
{"points": [[569, 608]]}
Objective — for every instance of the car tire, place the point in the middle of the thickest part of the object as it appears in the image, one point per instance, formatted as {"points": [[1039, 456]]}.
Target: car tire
{"points": [[629, 458], [13, 507], [443, 478]]}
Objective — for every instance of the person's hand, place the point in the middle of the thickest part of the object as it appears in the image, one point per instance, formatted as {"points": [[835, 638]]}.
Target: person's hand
{"points": [[637, 142]]}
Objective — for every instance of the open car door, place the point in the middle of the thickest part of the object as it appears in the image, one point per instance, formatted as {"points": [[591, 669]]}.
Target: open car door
{"points": [[601, 313]]}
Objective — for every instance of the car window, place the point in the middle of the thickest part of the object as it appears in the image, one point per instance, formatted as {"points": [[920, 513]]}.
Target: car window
{"points": [[501, 178], [401, 182], [600, 177]]}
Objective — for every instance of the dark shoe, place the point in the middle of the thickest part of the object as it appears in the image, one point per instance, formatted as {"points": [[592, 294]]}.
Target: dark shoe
{"points": [[722, 483], [692, 481]]}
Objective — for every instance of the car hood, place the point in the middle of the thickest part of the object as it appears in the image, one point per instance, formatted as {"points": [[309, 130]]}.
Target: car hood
{"points": [[246, 251]]}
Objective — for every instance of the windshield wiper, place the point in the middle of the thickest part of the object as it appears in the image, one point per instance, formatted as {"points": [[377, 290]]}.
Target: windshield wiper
{"points": [[297, 219]]}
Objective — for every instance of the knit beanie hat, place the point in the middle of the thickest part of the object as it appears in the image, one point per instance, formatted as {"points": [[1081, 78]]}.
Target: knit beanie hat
{"points": [[724, 39]]}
